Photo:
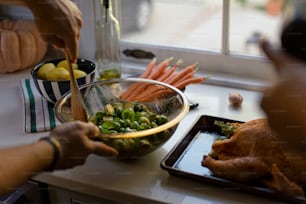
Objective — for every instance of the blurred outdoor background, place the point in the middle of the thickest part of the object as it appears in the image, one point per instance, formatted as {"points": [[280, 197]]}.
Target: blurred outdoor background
{"points": [[197, 24]]}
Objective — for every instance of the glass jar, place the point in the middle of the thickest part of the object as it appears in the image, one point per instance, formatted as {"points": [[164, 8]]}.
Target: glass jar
{"points": [[108, 43]]}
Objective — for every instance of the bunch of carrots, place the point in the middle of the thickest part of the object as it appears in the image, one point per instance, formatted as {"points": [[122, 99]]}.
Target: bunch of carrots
{"points": [[164, 72]]}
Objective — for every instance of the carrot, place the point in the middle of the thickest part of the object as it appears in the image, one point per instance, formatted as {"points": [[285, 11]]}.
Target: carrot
{"points": [[180, 74], [164, 73], [127, 93], [170, 71], [150, 97], [149, 69], [154, 89], [147, 72], [186, 82], [185, 77], [139, 88], [150, 89], [160, 68]]}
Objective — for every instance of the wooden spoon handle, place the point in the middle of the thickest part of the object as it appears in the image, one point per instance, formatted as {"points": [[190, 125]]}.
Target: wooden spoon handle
{"points": [[77, 104]]}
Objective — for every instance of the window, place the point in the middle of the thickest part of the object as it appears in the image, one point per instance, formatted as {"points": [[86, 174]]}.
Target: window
{"points": [[220, 35]]}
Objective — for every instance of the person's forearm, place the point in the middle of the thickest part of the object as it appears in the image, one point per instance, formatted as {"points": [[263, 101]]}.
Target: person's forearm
{"points": [[20, 163]]}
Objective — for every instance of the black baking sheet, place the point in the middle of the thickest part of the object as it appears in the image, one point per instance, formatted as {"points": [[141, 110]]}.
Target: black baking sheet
{"points": [[185, 160]]}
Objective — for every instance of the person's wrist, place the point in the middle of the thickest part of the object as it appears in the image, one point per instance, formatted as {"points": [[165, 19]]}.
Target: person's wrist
{"points": [[57, 152]]}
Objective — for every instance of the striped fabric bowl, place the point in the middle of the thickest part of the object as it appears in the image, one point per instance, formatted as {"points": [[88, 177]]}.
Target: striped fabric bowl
{"points": [[54, 90]]}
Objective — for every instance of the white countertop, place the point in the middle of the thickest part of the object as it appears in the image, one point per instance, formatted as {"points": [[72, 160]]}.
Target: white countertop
{"points": [[142, 180]]}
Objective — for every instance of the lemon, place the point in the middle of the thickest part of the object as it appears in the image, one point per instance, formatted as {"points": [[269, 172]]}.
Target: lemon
{"points": [[78, 73], [58, 74], [44, 69], [64, 63]]}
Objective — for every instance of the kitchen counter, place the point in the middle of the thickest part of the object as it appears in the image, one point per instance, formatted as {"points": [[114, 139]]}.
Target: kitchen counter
{"points": [[139, 181]]}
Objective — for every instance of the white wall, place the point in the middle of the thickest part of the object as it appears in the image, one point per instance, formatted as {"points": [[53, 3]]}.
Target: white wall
{"points": [[87, 38]]}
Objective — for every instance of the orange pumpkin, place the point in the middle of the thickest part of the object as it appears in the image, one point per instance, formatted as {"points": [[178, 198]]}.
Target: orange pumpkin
{"points": [[21, 45]]}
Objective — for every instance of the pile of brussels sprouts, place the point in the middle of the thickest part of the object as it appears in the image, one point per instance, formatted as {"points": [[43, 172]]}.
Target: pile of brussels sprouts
{"points": [[129, 117], [126, 117]]}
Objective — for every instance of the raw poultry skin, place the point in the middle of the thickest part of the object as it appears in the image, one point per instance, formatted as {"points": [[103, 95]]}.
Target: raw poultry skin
{"points": [[253, 153]]}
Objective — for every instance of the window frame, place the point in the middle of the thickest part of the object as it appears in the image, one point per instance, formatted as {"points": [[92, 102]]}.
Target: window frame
{"points": [[224, 68], [247, 71]]}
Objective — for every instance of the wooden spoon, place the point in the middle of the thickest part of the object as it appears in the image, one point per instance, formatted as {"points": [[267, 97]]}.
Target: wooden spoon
{"points": [[77, 104]]}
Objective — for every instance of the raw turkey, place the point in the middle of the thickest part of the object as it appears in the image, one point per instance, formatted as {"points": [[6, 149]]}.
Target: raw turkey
{"points": [[255, 154]]}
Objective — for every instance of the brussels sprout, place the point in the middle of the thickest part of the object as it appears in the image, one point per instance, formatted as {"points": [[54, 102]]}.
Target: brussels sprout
{"points": [[128, 113], [144, 126], [142, 114], [107, 118], [99, 115], [109, 110], [120, 121], [160, 119], [134, 125], [118, 109], [144, 120], [128, 105]]}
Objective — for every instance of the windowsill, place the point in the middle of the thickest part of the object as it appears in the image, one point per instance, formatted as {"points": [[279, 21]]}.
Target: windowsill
{"points": [[237, 82]]}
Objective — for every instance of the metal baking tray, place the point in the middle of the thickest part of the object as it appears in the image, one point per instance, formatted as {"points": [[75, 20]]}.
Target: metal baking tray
{"points": [[184, 160]]}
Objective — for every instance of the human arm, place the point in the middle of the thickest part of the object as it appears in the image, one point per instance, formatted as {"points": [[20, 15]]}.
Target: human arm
{"points": [[285, 102], [75, 139], [59, 22]]}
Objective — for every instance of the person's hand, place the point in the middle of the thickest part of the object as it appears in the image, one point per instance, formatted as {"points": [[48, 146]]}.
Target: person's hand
{"points": [[285, 102], [278, 57], [59, 22], [76, 141]]}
